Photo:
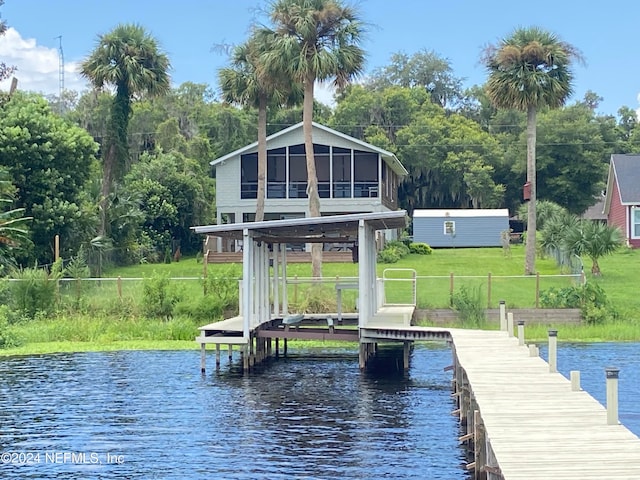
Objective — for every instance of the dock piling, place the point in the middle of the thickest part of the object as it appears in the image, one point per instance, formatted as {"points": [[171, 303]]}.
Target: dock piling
{"points": [[575, 380], [510, 323], [503, 316], [553, 351], [612, 395], [521, 332], [203, 357]]}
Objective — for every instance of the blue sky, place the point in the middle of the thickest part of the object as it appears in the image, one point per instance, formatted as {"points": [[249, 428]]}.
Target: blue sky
{"points": [[605, 33]]}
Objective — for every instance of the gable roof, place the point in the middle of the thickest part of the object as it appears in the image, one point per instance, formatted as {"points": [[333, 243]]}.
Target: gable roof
{"points": [[389, 157], [624, 170]]}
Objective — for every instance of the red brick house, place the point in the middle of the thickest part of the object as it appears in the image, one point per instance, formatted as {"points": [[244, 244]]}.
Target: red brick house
{"points": [[622, 201]]}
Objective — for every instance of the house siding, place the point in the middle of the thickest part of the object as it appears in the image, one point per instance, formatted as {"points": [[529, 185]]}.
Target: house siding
{"points": [[619, 216], [469, 231]]}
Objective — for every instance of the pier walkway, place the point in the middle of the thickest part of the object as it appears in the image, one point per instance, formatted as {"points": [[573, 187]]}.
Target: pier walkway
{"points": [[524, 422]]}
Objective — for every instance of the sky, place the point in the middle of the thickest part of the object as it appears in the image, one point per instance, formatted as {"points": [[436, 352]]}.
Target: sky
{"points": [[457, 30]]}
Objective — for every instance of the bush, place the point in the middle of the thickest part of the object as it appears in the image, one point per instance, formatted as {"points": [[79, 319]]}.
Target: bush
{"points": [[7, 338], [34, 290], [468, 302], [393, 251], [159, 297], [590, 298], [420, 248]]}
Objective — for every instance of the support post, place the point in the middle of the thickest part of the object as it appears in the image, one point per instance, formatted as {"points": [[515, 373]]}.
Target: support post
{"points": [[406, 354], [230, 352], [503, 316], [533, 350], [553, 351], [612, 395], [451, 289], [510, 324], [489, 290], [521, 332], [537, 289], [575, 380], [277, 347], [203, 357], [217, 355]]}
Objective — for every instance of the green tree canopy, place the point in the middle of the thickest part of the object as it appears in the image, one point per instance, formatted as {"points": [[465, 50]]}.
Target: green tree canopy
{"points": [[50, 162]]}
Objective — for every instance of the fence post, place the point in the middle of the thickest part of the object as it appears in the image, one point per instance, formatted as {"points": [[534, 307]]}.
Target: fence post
{"points": [[295, 290], [451, 289], [537, 289], [119, 283], [489, 290]]}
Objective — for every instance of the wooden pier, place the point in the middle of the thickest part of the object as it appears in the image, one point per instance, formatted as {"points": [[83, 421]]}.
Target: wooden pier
{"points": [[520, 419]]}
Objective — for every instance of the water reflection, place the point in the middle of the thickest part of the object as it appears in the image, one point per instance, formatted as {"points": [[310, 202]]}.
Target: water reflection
{"points": [[308, 416]]}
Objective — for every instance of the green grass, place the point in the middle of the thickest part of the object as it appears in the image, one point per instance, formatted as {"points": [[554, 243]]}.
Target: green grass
{"points": [[109, 317]]}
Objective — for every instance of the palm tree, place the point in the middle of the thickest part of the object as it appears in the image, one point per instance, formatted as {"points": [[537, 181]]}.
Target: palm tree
{"points": [[593, 239], [316, 40], [129, 59], [530, 70], [251, 83]]}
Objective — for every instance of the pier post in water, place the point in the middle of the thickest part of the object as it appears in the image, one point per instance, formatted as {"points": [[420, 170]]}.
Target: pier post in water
{"points": [[553, 351], [612, 395], [510, 323], [203, 357], [575, 380], [217, 355]]}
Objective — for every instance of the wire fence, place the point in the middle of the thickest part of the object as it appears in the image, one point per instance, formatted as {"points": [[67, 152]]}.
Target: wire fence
{"points": [[522, 291]]}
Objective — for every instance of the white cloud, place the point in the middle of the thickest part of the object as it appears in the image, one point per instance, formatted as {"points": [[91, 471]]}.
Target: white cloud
{"points": [[37, 66], [324, 93]]}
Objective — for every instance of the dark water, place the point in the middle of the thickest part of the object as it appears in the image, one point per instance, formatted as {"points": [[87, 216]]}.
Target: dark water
{"points": [[142, 415], [148, 415]]}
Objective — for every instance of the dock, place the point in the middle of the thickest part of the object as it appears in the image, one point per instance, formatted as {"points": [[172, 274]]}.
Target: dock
{"points": [[519, 418]]}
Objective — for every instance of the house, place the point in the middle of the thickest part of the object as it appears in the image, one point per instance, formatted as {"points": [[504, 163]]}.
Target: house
{"points": [[353, 177], [460, 227], [622, 200]]}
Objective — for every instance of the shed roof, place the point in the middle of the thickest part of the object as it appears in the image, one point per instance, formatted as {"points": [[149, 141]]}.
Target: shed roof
{"points": [[389, 157], [461, 212], [310, 229]]}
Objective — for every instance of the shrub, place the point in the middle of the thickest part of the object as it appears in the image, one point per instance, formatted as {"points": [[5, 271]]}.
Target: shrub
{"points": [[468, 302], [34, 290], [590, 298], [159, 297], [8, 338], [420, 248], [393, 251]]}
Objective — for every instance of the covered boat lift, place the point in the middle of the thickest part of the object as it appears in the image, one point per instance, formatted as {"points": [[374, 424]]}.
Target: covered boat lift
{"points": [[263, 298]]}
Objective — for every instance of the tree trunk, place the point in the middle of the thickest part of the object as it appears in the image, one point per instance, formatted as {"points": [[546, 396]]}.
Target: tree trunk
{"points": [[312, 177], [262, 157], [530, 248], [107, 178]]}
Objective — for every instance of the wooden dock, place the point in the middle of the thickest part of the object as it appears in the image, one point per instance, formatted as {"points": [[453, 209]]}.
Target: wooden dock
{"points": [[524, 422]]}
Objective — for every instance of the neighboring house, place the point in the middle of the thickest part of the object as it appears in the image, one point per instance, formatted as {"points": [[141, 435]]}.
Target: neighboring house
{"points": [[353, 177], [622, 201], [460, 227]]}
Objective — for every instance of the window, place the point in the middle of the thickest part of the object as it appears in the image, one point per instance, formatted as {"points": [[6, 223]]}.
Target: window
{"points": [[276, 173], [365, 172], [450, 228], [635, 222], [341, 172], [249, 176]]}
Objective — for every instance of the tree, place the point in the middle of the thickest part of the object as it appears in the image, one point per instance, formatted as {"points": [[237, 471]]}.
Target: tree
{"points": [[129, 59], [593, 239], [424, 69], [250, 82], [316, 40], [530, 70], [51, 163]]}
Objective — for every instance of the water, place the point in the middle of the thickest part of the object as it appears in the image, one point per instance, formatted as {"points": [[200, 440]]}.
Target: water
{"points": [[312, 416], [141, 415]]}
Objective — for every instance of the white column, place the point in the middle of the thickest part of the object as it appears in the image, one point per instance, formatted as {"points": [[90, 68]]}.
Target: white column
{"points": [[247, 281], [276, 279], [285, 295]]}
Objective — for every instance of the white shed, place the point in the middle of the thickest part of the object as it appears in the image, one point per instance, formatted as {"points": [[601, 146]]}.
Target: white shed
{"points": [[460, 227]]}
